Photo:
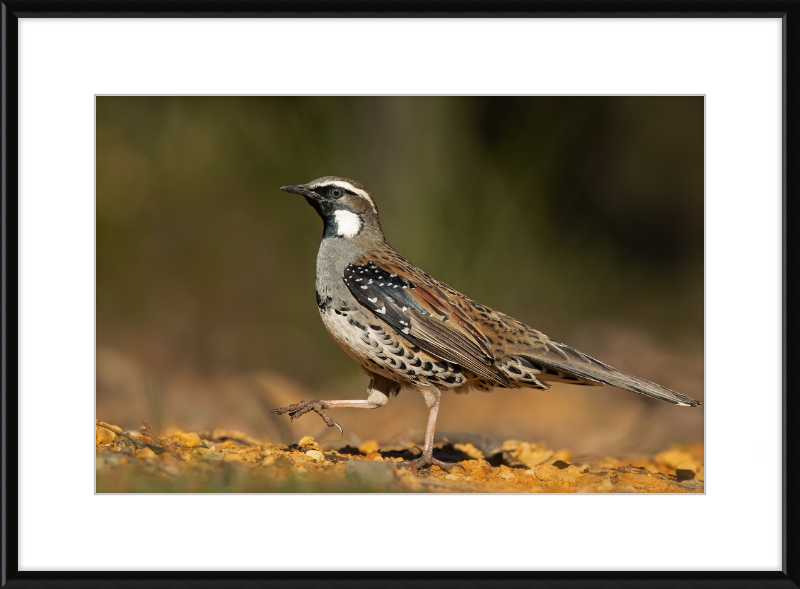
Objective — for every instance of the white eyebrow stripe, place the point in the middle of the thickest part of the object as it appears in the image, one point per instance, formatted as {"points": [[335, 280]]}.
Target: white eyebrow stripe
{"points": [[347, 186]]}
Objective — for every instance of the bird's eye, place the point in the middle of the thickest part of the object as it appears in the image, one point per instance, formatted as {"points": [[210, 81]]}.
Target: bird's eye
{"points": [[336, 192]]}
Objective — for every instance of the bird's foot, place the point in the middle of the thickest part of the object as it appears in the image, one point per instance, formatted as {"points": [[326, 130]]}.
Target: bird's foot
{"points": [[303, 407], [426, 461]]}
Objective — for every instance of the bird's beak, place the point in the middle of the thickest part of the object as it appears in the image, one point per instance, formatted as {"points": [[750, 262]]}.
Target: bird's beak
{"points": [[297, 189]]}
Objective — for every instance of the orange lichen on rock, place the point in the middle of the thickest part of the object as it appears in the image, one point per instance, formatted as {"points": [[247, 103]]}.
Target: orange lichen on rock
{"points": [[188, 440], [125, 463]]}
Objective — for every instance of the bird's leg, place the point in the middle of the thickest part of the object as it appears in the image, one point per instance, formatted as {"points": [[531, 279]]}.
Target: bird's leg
{"points": [[427, 458], [378, 389], [303, 407]]}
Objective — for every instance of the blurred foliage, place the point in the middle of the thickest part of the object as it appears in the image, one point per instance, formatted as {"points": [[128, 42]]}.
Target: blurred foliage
{"points": [[558, 211]]}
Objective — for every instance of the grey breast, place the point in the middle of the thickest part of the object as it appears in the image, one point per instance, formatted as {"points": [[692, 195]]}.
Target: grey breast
{"points": [[333, 257]]}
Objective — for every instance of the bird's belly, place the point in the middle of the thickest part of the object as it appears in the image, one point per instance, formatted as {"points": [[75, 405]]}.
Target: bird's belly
{"points": [[383, 352], [349, 336]]}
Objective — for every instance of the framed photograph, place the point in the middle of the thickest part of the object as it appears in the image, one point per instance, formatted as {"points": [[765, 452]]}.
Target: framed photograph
{"points": [[623, 180], [631, 252]]}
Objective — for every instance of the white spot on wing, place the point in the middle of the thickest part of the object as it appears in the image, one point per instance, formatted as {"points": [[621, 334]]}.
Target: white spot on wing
{"points": [[382, 310], [371, 300]]}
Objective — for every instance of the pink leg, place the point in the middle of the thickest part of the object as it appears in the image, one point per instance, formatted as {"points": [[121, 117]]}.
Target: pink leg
{"points": [[427, 458], [303, 407], [358, 404], [430, 429]]}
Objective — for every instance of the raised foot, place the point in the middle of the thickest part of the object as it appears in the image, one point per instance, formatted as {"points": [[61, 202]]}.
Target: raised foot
{"points": [[426, 461], [303, 407]]}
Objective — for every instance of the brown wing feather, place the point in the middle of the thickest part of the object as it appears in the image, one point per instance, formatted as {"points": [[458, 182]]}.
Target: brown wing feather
{"points": [[414, 303]]}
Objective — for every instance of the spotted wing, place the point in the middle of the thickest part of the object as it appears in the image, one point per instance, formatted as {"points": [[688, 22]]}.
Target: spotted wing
{"points": [[412, 304]]}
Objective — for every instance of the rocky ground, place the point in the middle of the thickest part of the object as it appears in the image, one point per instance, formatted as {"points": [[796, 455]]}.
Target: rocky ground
{"points": [[226, 461]]}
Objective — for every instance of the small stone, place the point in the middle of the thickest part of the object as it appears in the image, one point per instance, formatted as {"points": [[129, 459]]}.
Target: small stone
{"points": [[208, 455], [474, 465], [470, 451], [104, 436], [369, 447], [234, 457], [517, 453], [505, 475], [268, 461], [188, 440], [145, 453], [308, 442], [374, 456], [562, 476], [315, 455], [686, 471]]}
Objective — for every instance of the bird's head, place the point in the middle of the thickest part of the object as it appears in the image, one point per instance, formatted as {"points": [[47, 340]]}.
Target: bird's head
{"points": [[346, 207]]}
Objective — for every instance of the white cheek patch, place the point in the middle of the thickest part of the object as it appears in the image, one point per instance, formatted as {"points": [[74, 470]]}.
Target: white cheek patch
{"points": [[347, 224]]}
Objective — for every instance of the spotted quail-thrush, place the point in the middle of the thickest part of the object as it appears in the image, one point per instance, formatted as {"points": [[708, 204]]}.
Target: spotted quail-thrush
{"points": [[410, 330]]}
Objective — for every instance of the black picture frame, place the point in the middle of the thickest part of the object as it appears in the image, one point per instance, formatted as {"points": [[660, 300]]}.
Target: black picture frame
{"points": [[787, 10]]}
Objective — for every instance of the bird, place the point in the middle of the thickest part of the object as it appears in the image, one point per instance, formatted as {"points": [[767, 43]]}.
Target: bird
{"points": [[409, 330]]}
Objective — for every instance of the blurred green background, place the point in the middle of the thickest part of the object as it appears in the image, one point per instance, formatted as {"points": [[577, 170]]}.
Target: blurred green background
{"points": [[580, 216]]}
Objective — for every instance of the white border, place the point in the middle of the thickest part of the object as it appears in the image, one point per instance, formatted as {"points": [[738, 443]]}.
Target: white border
{"points": [[734, 62]]}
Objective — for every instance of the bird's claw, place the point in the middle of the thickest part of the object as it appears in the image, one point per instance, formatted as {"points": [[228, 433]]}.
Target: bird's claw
{"points": [[426, 461], [299, 409]]}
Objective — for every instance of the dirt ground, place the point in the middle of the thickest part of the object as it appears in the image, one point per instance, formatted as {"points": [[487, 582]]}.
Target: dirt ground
{"points": [[231, 461]]}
